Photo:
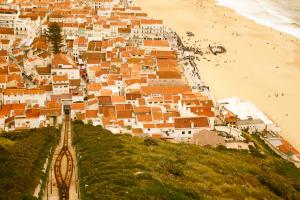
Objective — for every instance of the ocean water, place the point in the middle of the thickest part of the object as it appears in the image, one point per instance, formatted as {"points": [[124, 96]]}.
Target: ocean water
{"points": [[282, 15]]}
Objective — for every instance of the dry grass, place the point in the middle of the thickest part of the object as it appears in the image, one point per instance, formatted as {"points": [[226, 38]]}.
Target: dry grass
{"points": [[125, 167]]}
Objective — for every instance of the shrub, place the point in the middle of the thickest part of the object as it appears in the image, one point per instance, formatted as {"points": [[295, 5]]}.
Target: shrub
{"points": [[22, 163], [221, 148], [277, 186], [125, 167], [255, 152], [176, 170], [150, 142]]}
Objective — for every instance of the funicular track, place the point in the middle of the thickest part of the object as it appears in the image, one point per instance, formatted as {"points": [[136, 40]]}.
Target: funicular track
{"points": [[64, 180]]}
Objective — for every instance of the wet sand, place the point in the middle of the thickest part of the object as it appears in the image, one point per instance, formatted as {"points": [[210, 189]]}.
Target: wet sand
{"points": [[261, 65]]}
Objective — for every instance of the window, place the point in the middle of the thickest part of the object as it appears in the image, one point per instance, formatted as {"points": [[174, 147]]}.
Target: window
{"points": [[190, 132], [149, 129], [183, 132]]}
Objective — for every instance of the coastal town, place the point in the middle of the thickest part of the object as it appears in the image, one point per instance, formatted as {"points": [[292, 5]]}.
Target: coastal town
{"points": [[118, 68]]}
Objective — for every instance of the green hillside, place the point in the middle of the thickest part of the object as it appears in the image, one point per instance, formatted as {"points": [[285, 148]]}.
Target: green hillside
{"points": [[125, 167], [22, 157]]}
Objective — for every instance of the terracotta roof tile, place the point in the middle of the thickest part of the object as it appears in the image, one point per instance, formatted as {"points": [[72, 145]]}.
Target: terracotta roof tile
{"points": [[190, 122], [77, 106], [148, 90], [91, 113]]}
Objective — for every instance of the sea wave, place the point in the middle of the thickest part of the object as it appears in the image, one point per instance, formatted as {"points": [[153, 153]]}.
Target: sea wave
{"points": [[268, 13]]}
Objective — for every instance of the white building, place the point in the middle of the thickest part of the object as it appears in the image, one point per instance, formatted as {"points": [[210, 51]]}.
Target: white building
{"points": [[157, 45], [34, 62], [102, 3], [151, 28], [29, 96], [8, 15], [28, 121], [250, 116], [80, 45], [252, 125], [27, 28], [63, 64], [60, 84], [7, 33]]}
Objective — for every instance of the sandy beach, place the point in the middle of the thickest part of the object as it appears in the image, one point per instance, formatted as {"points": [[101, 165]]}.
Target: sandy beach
{"points": [[261, 65]]}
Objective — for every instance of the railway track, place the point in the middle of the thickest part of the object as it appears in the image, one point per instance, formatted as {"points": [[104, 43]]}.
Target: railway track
{"points": [[64, 180]]}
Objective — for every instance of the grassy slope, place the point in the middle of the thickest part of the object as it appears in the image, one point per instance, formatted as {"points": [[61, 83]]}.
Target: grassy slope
{"points": [[5, 142], [123, 167], [22, 156]]}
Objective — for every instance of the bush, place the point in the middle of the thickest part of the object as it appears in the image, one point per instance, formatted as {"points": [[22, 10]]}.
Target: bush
{"points": [[176, 170], [30, 197], [221, 148], [22, 163], [255, 152], [125, 167], [150, 142], [279, 187]]}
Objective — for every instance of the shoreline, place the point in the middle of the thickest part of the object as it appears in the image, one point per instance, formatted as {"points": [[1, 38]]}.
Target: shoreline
{"points": [[275, 70], [272, 18]]}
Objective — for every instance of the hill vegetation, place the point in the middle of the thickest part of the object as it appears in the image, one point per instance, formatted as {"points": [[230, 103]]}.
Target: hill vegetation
{"points": [[22, 157], [125, 167]]}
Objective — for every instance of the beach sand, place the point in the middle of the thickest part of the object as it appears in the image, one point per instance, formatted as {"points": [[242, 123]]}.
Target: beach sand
{"points": [[261, 65]]}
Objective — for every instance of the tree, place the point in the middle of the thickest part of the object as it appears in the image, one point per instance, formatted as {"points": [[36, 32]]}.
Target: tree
{"points": [[54, 36]]}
